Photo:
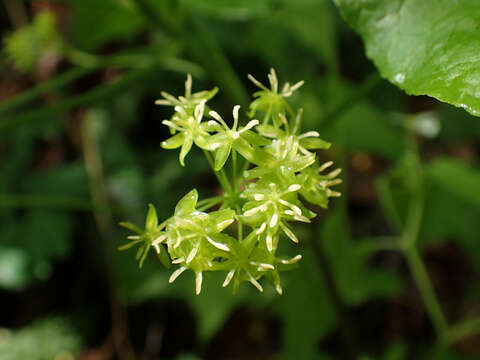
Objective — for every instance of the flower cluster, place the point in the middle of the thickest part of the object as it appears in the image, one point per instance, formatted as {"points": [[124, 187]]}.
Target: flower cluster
{"points": [[261, 199]]}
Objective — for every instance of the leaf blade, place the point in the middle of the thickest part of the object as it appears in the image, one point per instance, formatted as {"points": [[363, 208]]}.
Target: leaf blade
{"points": [[425, 48]]}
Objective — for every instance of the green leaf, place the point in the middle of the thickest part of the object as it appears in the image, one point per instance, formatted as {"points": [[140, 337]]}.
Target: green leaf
{"points": [[139, 286], [357, 281], [116, 20], [457, 178], [428, 47], [48, 338], [452, 205], [29, 44], [214, 304], [47, 237]]}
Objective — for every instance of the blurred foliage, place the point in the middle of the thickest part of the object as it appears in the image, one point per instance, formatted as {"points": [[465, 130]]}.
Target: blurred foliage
{"points": [[45, 339], [79, 152], [26, 46]]}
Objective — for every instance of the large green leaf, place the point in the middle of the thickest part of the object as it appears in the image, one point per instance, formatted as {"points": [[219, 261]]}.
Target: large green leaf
{"points": [[428, 47]]}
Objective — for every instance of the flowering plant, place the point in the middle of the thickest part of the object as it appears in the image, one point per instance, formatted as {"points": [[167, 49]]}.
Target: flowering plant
{"points": [[274, 169]]}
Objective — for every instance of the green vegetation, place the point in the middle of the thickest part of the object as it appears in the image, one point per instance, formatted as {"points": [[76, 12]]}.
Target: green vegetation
{"points": [[389, 271]]}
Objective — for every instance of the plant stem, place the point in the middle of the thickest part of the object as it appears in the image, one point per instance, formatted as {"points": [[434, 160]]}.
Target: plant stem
{"points": [[87, 63], [43, 88], [464, 329], [208, 203], [410, 250], [236, 189], [99, 93], [220, 175], [380, 243], [103, 217], [234, 171], [427, 293], [388, 205]]}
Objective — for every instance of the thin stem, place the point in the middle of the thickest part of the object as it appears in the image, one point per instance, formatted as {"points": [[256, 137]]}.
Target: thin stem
{"points": [[103, 217], [411, 252], [388, 205], [245, 166], [208, 203], [464, 329], [239, 225], [381, 243], [220, 175], [31, 94], [234, 171], [99, 93], [427, 293], [132, 58], [94, 169], [236, 190], [88, 63]]}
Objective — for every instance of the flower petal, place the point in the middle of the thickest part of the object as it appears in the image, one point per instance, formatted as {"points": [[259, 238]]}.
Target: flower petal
{"points": [[187, 204], [221, 156], [187, 145], [174, 142]]}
